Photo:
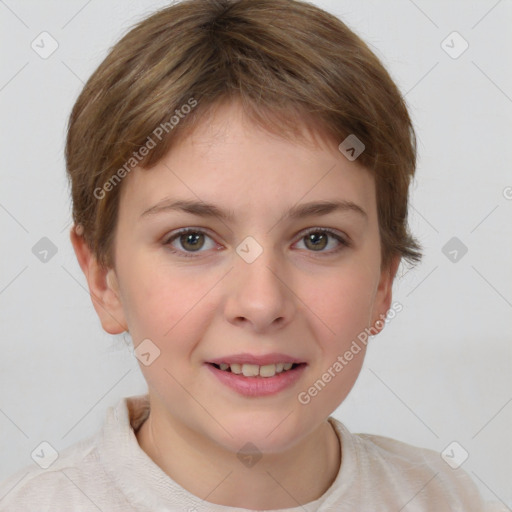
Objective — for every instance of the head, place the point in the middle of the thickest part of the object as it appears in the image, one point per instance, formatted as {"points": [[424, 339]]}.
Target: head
{"points": [[240, 106]]}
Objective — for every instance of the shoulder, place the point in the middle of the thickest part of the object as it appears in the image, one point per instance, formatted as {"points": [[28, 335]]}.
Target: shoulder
{"points": [[73, 481], [406, 473], [85, 476]]}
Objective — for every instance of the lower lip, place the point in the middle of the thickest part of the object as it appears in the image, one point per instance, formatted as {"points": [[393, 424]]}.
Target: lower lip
{"points": [[258, 386]]}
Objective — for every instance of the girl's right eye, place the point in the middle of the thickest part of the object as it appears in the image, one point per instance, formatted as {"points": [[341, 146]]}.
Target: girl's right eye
{"points": [[192, 240]]}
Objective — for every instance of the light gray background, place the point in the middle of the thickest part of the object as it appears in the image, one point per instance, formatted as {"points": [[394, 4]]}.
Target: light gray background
{"points": [[440, 371]]}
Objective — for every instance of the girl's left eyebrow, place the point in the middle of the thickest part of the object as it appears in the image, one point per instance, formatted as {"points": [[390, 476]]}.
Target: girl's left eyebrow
{"points": [[202, 209]]}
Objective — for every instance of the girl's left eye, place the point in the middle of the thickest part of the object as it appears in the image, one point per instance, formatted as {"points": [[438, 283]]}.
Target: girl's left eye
{"points": [[318, 239], [192, 240]]}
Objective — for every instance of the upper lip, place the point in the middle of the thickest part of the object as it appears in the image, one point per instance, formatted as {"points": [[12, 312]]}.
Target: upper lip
{"points": [[262, 360]]}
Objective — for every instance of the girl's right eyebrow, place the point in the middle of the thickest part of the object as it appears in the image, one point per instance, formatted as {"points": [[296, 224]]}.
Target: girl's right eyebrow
{"points": [[199, 208]]}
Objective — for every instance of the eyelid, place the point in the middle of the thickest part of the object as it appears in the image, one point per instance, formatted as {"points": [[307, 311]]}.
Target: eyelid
{"points": [[183, 231], [342, 237], [191, 229]]}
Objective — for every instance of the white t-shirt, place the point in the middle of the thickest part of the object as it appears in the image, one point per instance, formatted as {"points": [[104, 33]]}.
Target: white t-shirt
{"points": [[109, 472]]}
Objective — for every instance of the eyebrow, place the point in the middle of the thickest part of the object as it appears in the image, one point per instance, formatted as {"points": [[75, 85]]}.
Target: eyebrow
{"points": [[203, 209]]}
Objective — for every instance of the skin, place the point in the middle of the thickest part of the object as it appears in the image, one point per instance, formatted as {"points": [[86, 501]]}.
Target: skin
{"points": [[295, 299]]}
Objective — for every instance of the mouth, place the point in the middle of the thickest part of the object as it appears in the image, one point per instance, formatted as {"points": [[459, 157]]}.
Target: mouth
{"points": [[254, 370], [257, 376]]}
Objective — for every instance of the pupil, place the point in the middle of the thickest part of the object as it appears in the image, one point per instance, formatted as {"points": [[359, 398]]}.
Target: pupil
{"points": [[317, 239], [191, 238]]}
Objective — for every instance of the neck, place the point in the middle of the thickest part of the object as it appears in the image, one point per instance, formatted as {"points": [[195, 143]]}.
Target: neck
{"points": [[284, 480]]}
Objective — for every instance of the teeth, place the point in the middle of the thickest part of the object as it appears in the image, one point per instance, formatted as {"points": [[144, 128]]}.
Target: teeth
{"points": [[250, 370], [236, 368], [253, 370], [269, 370]]}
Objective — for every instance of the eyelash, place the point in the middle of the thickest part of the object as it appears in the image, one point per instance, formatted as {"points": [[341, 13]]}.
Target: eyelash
{"points": [[343, 242]]}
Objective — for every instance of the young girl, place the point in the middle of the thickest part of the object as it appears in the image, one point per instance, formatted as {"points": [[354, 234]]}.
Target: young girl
{"points": [[240, 174]]}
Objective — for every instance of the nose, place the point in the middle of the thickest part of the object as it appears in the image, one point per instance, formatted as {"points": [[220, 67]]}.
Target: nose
{"points": [[259, 295]]}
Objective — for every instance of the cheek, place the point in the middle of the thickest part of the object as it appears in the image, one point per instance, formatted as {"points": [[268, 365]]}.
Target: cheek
{"points": [[164, 303], [343, 302], [342, 308]]}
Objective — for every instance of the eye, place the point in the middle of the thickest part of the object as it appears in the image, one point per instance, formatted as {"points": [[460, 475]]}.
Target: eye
{"points": [[191, 240], [317, 239]]}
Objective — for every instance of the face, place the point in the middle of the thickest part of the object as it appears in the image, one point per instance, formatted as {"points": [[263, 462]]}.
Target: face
{"points": [[252, 284]]}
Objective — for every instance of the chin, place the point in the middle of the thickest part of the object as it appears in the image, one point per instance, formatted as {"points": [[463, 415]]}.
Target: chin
{"points": [[271, 431]]}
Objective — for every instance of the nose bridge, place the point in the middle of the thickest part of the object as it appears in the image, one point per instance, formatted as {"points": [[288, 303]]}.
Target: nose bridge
{"points": [[257, 264], [259, 293]]}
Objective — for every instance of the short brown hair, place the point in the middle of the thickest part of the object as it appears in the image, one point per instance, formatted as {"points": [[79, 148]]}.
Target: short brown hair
{"points": [[287, 61]]}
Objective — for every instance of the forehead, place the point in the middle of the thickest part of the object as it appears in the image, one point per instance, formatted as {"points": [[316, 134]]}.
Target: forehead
{"points": [[229, 161]]}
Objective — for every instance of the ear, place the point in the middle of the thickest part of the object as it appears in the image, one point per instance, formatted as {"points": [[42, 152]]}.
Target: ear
{"points": [[384, 294], [103, 285]]}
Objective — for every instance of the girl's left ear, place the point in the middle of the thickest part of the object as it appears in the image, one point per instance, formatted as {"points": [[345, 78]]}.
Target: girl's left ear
{"points": [[385, 293]]}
